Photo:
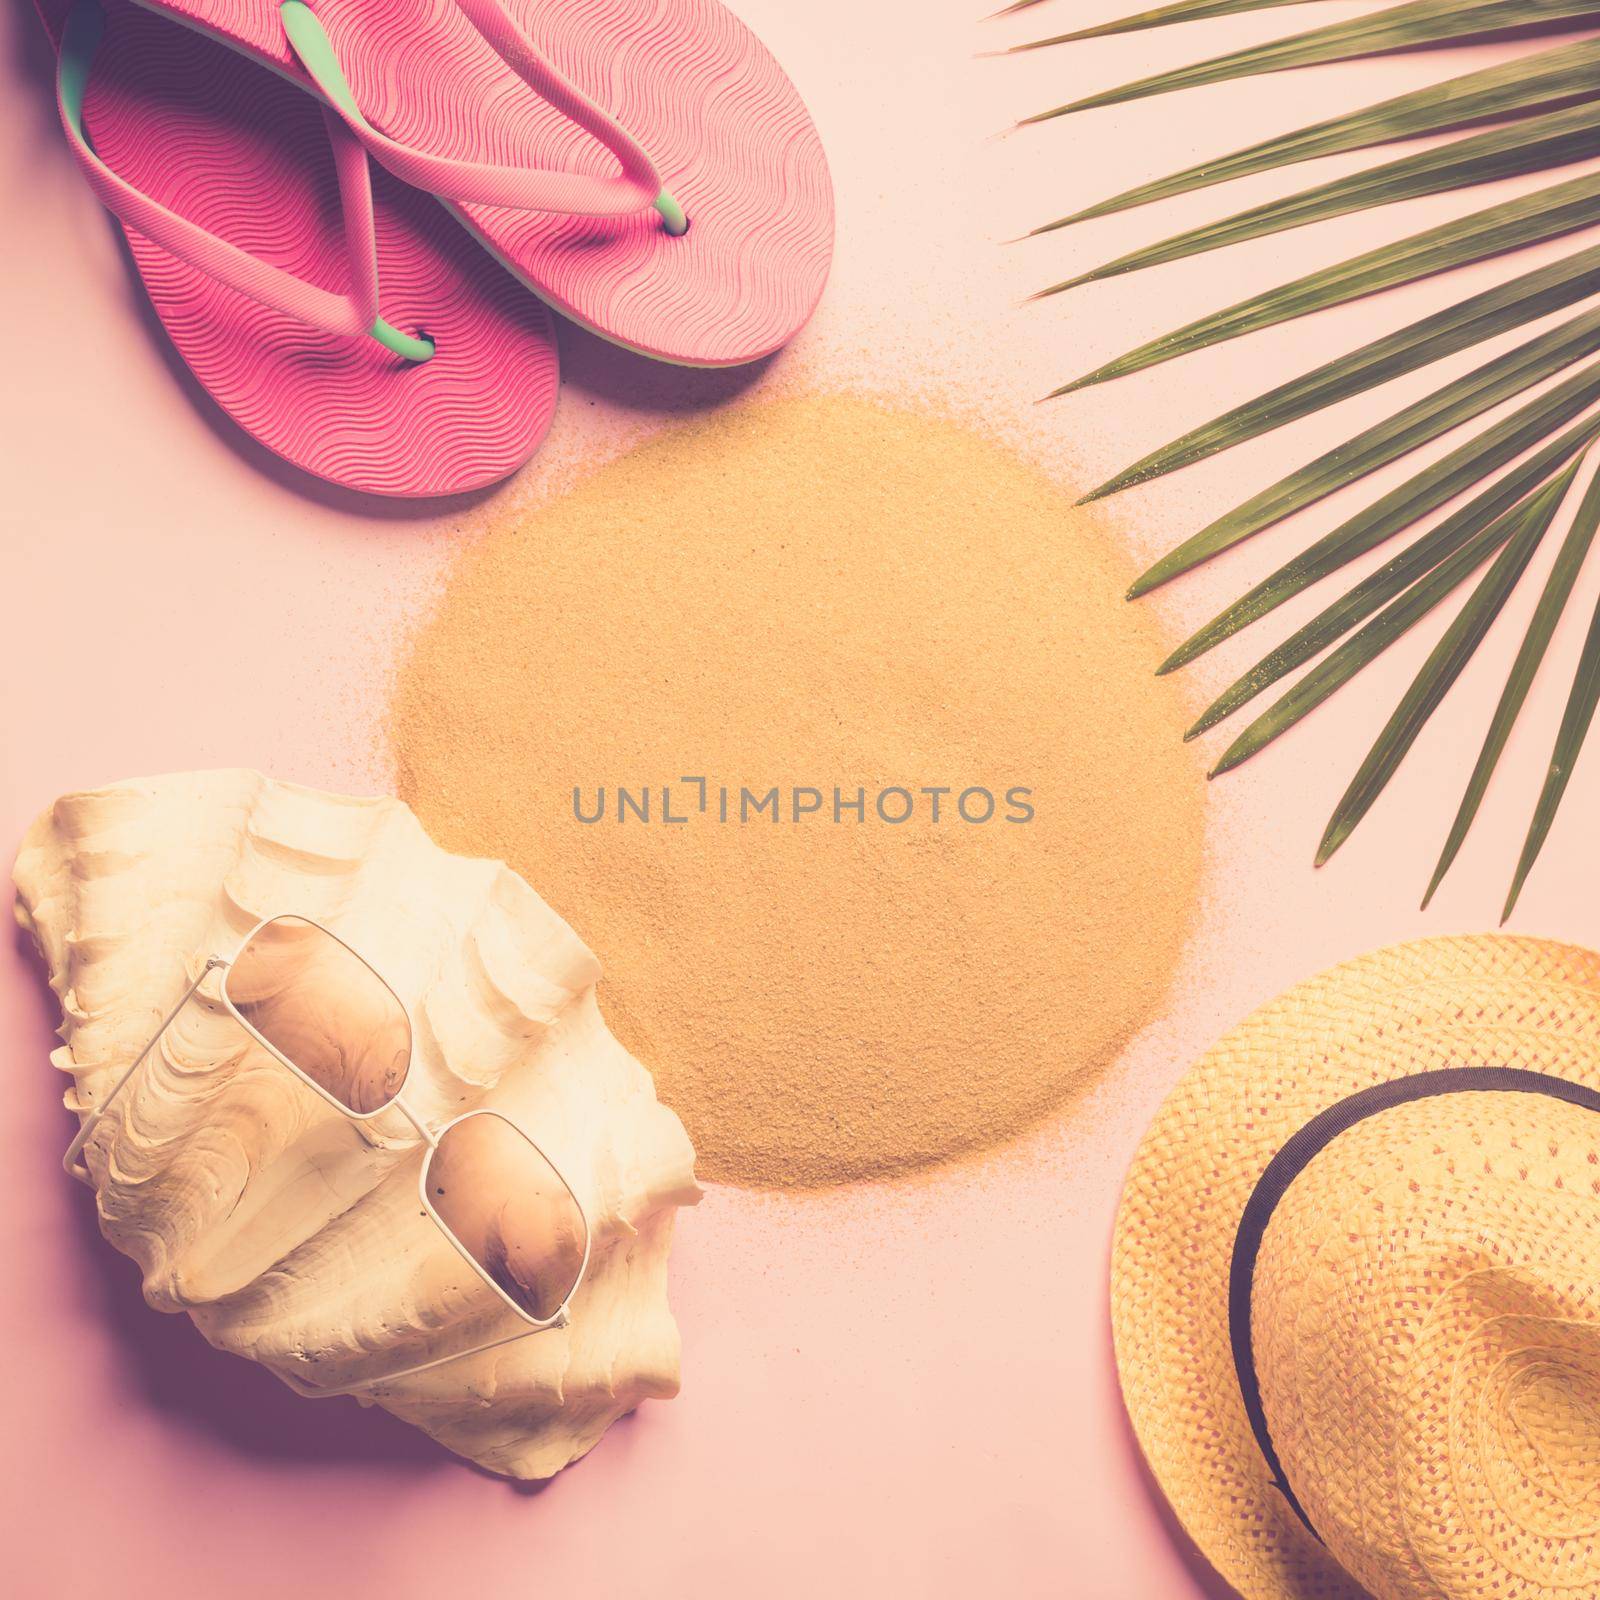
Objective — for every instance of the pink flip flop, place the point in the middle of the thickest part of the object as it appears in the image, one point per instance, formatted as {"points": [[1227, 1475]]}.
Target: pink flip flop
{"points": [[642, 165], [341, 321]]}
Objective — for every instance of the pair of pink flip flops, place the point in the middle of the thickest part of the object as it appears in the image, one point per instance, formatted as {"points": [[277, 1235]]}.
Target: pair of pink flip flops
{"points": [[337, 206]]}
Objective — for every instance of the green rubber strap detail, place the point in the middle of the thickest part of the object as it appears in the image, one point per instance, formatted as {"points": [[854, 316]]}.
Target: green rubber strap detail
{"points": [[417, 349], [672, 214], [317, 55], [79, 40]]}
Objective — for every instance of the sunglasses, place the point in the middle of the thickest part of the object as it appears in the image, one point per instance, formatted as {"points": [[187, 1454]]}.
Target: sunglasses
{"points": [[314, 1004]]}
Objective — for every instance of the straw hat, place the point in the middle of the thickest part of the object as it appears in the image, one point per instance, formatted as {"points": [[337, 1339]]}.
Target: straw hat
{"points": [[1374, 1208]]}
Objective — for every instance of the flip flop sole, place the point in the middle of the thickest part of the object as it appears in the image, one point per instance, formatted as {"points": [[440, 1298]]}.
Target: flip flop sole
{"points": [[729, 133], [214, 138]]}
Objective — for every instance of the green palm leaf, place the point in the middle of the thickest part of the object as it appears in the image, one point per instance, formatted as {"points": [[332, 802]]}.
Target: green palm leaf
{"points": [[1392, 623], [1354, 606], [1182, 11], [1444, 664], [1518, 469], [1575, 724], [1547, 78], [1443, 480], [1552, 140], [1529, 219], [1557, 591], [1399, 28], [1468, 322]]}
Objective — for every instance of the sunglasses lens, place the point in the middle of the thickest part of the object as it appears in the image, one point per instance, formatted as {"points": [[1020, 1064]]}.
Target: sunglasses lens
{"points": [[511, 1211], [320, 1006]]}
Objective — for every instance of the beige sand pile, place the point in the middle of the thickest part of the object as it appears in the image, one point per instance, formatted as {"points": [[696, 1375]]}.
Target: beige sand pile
{"points": [[820, 596]]}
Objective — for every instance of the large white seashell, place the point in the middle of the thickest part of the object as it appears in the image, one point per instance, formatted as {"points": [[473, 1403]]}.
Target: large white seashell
{"points": [[289, 1233]]}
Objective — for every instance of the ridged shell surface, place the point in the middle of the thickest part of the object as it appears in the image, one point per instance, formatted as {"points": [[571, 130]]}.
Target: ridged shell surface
{"points": [[289, 1233]]}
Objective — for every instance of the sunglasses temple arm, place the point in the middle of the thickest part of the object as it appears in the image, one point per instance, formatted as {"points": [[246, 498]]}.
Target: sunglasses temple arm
{"points": [[307, 1392], [70, 1161]]}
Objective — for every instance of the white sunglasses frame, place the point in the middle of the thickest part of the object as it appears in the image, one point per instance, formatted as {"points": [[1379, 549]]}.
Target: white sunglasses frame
{"points": [[559, 1318]]}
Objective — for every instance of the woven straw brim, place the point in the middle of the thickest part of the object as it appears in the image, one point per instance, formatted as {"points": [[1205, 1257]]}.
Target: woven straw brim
{"points": [[1433, 1005]]}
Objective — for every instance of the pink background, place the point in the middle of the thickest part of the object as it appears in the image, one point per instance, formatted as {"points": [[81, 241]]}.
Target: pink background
{"points": [[896, 1390]]}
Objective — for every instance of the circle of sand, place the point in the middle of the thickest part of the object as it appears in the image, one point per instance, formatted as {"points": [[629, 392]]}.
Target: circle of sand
{"points": [[824, 594]]}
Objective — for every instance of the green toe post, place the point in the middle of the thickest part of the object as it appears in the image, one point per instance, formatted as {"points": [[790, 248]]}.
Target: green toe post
{"points": [[80, 38], [311, 44], [672, 214], [418, 350]]}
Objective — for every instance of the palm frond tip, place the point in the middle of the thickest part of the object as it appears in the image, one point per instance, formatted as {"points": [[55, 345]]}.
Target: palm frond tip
{"points": [[1552, 98]]}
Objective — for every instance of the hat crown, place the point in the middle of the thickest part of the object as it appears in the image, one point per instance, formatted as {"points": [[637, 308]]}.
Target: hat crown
{"points": [[1550, 1419], [1425, 1323]]}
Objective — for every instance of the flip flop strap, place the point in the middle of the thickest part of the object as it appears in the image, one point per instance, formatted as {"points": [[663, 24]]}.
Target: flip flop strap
{"points": [[523, 188], [355, 313]]}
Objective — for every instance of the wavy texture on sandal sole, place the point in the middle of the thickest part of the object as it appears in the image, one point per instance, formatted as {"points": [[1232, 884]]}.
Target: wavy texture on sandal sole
{"points": [[218, 140], [728, 131]]}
